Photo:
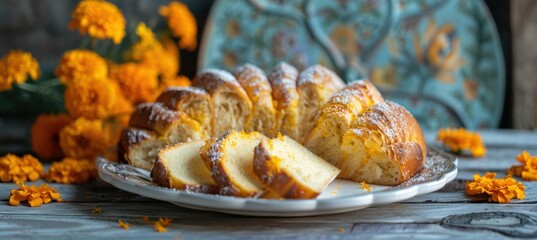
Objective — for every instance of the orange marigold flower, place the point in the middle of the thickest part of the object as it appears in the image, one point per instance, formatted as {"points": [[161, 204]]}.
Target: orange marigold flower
{"points": [[123, 107], [123, 225], [99, 19], [528, 170], [179, 81], [46, 135], [365, 186], [459, 140], [18, 170], [162, 223], [182, 24], [500, 190], [83, 139], [138, 82], [81, 64], [93, 99], [150, 52], [15, 67], [71, 171], [35, 195]]}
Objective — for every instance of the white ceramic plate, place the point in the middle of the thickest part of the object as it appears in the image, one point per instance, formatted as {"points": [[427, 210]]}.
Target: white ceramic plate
{"points": [[340, 196]]}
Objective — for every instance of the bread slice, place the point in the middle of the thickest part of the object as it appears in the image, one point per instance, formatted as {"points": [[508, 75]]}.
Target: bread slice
{"points": [[230, 160], [139, 147], [337, 116], [180, 166], [231, 106], [195, 102], [256, 85], [171, 126], [283, 79], [315, 86], [291, 170], [385, 145]]}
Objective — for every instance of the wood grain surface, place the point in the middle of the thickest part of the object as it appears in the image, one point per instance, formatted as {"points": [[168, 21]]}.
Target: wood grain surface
{"points": [[447, 213]]}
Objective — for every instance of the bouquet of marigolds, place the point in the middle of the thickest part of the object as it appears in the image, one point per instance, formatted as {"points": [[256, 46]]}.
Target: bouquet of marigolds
{"points": [[99, 91]]}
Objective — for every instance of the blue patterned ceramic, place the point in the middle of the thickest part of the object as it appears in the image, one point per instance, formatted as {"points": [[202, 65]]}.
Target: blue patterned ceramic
{"points": [[440, 58]]}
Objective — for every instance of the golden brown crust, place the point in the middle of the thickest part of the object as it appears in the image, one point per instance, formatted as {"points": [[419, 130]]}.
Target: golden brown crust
{"points": [[130, 137], [161, 175], [283, 78], [389, 130], [258, 88], [154, 116], [231, 105], [278, 181], [337, 116], [214, 155], [315, 86], [195, 102]]}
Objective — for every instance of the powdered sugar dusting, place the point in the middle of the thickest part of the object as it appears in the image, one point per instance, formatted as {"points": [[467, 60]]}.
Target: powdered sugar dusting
{"points": [[252, 79], [320, 75], [283, 79], [211, 80], [435, 167]]}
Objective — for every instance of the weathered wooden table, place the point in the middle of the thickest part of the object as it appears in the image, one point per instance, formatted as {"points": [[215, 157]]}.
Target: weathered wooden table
{"points": [[447, 213]]}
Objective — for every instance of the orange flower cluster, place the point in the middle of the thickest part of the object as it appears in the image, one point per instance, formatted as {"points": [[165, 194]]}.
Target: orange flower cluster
{"points": [[154, 54], [500, 190], [138, 82], [83, 139], [18, 170], [46, 135], [15, 67], [79, 64], [99, 19], [528, 170], [459, 140], [182, 24], [35, 195], [71, 171], [100, 95]]}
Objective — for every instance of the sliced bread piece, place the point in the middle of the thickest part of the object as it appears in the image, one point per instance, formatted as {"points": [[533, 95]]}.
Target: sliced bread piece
{"points": [[290, 170], [283, 79], [139, 147], [315, 86], [195, 102], [230, 160], [255, 83], [232, 107], [180, 166]]}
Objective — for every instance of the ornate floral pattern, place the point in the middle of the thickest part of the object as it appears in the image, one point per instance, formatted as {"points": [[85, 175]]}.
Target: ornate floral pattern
{"points": [[441, 59]]}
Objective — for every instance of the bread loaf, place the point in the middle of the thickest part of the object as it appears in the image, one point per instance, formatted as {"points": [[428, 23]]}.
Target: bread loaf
{"points": [[315, 86], [231, 105], [180, 166], [256, 85], [195, 102], [337, 116], [230, 161], [384, 146], [352, 128], [291, 171]]}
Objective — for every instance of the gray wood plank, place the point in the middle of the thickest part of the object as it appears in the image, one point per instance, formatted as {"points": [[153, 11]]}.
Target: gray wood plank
{"points": [[407, 219]]}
